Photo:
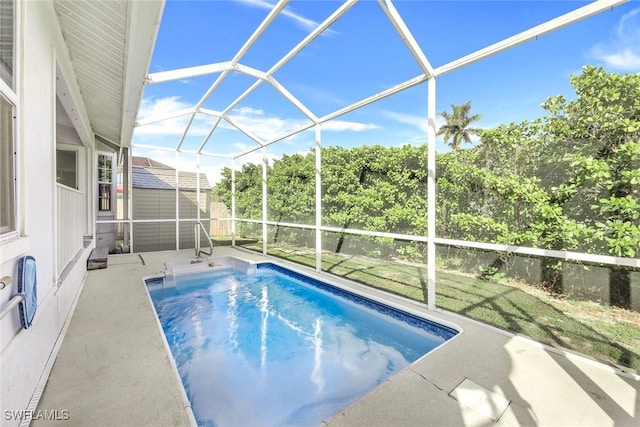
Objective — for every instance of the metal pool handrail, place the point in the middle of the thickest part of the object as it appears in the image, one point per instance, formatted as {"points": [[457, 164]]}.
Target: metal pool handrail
{"points": [[196, 231], [12, 303]]}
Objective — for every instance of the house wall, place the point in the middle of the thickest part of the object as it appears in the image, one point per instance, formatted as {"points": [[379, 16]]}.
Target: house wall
{"points": [[24, 353], [161, 204]]}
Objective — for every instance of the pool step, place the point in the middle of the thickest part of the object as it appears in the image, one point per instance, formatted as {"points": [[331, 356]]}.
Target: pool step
{"points": [[198, 265], [98, 258]]}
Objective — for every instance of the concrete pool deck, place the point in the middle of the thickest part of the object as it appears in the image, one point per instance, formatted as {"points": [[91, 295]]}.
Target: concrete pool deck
{"points": [[113, 369]]}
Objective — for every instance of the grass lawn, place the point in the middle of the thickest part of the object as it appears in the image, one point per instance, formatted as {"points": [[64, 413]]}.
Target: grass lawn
{"points": [[608, 334]]}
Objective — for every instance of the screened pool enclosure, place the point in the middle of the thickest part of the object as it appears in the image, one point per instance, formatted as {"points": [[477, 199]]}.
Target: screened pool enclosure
{"points": [[310, 171]]}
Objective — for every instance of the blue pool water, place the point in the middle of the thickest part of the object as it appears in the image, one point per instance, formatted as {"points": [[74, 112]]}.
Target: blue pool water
{"points": [[276, 348]]}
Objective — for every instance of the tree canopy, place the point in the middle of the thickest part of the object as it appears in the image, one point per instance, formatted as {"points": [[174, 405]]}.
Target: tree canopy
{"points": [[569, 180], [456, 127]]}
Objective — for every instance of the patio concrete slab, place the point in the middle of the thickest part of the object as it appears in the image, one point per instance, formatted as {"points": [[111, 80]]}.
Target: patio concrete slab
{"points": [[545, 386], [114, 369], [484, 402]]}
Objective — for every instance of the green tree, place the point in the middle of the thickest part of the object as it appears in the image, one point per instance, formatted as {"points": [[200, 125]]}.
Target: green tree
{"points": [[456, 127], [602, 125], [248, 194], [375, 188], [291, 193], [356, 188], [569, 180]]}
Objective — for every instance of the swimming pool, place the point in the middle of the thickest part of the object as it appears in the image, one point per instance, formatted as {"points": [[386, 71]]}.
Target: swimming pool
{"points": [[270, 346]]}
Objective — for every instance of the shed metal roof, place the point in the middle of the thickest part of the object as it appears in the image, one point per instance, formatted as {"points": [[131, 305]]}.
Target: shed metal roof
{"points": [[146, 162], [165, 179]]}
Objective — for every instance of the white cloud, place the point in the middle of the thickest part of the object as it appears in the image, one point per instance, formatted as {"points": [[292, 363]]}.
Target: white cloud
{"points": [[240, 146], [622, 52], [265, 126], [419, 122], [626, 59], [269, 127], [307, 24], [262, 125], [304, 23], [163, 107], [628, 28], [159, 106], [343, 125]]}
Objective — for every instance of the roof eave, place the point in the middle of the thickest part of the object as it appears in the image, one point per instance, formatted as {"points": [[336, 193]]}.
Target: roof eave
{"points": [[142, 30]]}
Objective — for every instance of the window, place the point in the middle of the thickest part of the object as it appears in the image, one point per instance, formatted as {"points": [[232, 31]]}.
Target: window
{"points": [[6, 41], [66, 170], [7, 116], [105, 180], [7, 176]]}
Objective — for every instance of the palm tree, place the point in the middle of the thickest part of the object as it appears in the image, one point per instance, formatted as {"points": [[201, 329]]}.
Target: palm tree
{"points": [[457, 124]]}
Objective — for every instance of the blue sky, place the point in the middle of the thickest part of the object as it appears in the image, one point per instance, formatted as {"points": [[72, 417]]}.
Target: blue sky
{"points": [[360, 55]]}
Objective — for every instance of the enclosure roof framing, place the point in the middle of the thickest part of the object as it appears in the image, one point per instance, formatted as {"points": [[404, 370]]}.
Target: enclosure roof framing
{"points": [[233, 123], [530, 34], [225, 69], [411, 43], [185, 73], [168, 116]]}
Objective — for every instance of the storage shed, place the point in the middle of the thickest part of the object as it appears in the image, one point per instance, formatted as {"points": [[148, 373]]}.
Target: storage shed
{"points": [[155, 197]]}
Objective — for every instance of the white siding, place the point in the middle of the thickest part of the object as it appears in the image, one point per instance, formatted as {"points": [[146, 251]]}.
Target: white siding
{"points": [[70, 224], [24, 353], [161, 204]]}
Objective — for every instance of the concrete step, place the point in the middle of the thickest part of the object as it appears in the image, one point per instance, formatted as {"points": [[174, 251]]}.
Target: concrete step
{"points": [[98, 258]]}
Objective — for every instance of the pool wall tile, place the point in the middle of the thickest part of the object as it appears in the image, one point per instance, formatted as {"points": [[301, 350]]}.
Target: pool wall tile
{"points": [[436, 329]]}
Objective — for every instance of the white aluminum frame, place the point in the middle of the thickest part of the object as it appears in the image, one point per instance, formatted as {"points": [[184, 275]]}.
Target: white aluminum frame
{"points": [[429, 73]]}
